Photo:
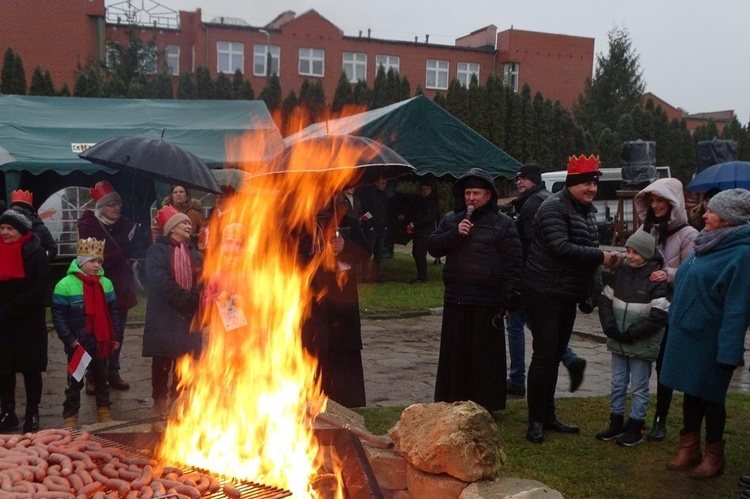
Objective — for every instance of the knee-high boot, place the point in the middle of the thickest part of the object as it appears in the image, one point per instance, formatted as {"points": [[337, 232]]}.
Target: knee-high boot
{"points": [[689, 453]]}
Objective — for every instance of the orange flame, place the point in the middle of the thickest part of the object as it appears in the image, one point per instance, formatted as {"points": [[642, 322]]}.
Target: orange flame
{"points": [[248, 401]]}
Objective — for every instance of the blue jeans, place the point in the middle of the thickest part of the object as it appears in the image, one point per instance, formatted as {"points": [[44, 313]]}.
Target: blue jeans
{"points": [[636, 372], [517, 348]]}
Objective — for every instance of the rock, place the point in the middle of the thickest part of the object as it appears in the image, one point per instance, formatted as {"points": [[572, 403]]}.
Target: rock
{"points": [[426, 485], [509, 488], [389, 468], [459, 439]]}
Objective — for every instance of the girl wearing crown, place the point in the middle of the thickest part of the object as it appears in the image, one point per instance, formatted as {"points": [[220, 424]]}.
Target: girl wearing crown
{"points": [[85, 314]]}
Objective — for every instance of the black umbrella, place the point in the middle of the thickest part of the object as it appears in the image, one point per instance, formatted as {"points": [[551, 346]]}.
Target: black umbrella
{"points": [[155, 159], [370, 158]]}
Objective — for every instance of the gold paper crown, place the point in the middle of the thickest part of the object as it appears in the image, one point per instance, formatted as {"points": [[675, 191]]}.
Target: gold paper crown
{"points": [[90, 247]]}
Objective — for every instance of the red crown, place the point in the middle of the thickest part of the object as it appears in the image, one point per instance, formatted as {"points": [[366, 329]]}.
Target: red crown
{"points": [[163, 215], [100, 190], [583, 164], [20, 196]]}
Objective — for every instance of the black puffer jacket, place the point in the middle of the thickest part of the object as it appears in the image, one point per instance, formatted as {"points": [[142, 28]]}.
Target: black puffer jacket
{"points": [[526, 205], [484, 267], [564, 254]]}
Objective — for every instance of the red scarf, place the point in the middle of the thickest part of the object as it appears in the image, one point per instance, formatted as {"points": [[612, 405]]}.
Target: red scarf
{"points": [[11, 258], [98, 321], [182, 266]]}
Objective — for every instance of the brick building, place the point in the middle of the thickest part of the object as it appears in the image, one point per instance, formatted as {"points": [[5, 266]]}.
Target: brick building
{"points": [[58, 35], [692, 120]]}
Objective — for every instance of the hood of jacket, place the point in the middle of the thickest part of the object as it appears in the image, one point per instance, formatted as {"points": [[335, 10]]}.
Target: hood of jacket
{"points": [[669, 189], [458, 188], [73, 268]]}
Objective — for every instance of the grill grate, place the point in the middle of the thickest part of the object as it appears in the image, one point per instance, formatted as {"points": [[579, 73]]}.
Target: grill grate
{"points": [[247, 489]]}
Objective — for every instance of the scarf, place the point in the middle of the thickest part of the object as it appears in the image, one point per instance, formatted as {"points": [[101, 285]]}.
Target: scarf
{"points": [[98, 321], [662, 224], [182, 266], [11, 258], [104, 220], [706, 240]]}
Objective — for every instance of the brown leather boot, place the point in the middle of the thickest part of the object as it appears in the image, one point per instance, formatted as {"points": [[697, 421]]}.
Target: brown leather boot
{"points": [[713, 462], [689, 453]]}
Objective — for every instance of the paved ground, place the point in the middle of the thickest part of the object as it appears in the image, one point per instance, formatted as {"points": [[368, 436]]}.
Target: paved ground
{"points": [[399, 356]]}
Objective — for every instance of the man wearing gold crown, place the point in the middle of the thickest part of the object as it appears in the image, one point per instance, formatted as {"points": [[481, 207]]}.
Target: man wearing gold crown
{"points": [[559, 271], [23, 201], [84, 312]]}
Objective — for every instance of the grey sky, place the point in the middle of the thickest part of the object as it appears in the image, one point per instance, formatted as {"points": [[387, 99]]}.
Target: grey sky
{"points": [[694, 54]]}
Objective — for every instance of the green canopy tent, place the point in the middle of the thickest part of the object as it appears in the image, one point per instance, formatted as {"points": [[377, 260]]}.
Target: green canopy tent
{"points": [[41, 137], [426, 135]]}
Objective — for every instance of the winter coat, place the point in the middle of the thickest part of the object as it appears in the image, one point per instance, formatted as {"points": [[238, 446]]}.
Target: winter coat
{"points": [[635, 305], [194, 211], [526, 205], [708, 317], [23, 329], [170, 308], [117, 254], [376, 202], [564, 255], [424, 214], [69, 310], [679, 244], [39, 230], [484, 267]]}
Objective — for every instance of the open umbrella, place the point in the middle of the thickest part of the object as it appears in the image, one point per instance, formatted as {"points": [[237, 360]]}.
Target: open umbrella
{"points": [[370, 158], [729, 175], [154, 159]]}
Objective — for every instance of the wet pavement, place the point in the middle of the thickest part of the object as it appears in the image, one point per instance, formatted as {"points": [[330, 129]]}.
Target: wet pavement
{"points": [[400, 357]]}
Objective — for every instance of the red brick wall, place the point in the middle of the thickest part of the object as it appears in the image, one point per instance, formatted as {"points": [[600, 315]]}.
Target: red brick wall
{"points": [[555, 65], [53, 34]]}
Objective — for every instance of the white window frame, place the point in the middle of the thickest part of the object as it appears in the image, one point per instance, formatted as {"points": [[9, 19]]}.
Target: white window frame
{"points": [[437, 70], [235, 54], [309, 58], [260, 58], [465, 70], [355, 66], [172, 54], [388, 62], [510, 74]]}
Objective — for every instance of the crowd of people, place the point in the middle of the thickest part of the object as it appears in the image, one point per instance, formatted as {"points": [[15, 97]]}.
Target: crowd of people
{"points": [[676, 297]]}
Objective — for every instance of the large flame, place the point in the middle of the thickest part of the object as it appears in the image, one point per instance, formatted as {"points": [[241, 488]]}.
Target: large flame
{"points": [[248, 401]]}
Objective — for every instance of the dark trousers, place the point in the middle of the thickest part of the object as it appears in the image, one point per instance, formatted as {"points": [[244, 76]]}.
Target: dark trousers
{"points": [[419, 252], [376, 239], [113, 362], [694, 410], [663, 392], [98, 370], [551, 322], [32, 384], [160, 370]]}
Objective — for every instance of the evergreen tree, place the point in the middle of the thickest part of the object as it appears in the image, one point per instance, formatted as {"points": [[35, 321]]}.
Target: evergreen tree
{"points": [[495, 110], [186, 87], [64, 91], [317, 101], [136, 90], [271, 93], [224, 89], [20, 75], [379, 89], [405, 89], [115, 88], [361, 94], [439, 99], [616, 87], [513, 124], [477, 104], [625, 129], [544, 129], [392, 87], [528, 144], [457, 101], [343, 95], [162, 87], [134, 59], [288, 107], [12, 75], [88, 82], [41, 83], [205, 88], [610, 147], [564, 142], [242, 88], [419, 90]]}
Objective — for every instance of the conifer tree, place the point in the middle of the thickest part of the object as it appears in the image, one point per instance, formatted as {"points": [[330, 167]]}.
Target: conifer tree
{"points": [[271, 93], [41, 83], [243, 89], [162, 86], [205, 87], [379, 95], [186, 87], [405, 89], [477, 105], [64, 91], [224, 89], [457, 100], [12, 75], [610, 147], [343, 95], [496, 110]]}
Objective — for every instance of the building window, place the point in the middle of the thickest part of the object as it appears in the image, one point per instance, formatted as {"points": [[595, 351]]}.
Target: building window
{"points": [[388, 62], [173, 59], [355, 67], [437, 74], [230, 57], [146, 57], [465, 70], [311, 62], [510, 75], [260, 60]]}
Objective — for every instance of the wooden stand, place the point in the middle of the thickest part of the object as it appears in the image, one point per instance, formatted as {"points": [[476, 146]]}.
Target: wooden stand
{"points": [[621, 231]]}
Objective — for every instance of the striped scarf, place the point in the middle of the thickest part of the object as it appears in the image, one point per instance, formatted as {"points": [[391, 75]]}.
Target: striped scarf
{"points": [[182, 266]]}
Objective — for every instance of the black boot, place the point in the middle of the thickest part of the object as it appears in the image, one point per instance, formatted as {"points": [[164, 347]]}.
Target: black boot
{"points": [[633, 434], [576, 368], [658, 430], [31, 420], [8, 418], [615, 428]]}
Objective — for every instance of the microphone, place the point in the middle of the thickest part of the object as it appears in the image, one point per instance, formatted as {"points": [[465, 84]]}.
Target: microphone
{"points": [[469, 211]]}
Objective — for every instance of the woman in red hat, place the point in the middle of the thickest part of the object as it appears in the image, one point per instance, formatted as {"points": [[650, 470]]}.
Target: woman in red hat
{"points": [[181, 199]]}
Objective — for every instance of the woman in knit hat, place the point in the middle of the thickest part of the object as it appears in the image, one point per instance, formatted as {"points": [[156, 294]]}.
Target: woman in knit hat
{"points": [[708, 317], [172, 271], [24, 278]]}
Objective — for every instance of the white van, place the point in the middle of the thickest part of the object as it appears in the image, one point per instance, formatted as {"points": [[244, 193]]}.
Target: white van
{"points": [[606, 197]]}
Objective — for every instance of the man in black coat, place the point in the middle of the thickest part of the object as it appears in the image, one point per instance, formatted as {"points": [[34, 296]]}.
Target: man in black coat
{"points": [[560, 267], [422, 225], [375, 203], [481, 273]]}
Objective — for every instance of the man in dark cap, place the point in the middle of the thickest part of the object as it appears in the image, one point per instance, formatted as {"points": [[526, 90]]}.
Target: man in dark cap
{"points": [[560, 268], [422, 225], [482, 267]]}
